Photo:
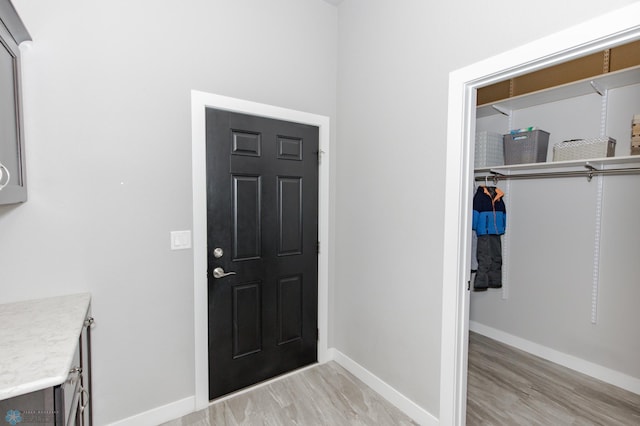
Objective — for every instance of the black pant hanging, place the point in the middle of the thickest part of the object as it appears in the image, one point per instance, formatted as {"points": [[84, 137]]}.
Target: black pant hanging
{"points": [[489, 253]]}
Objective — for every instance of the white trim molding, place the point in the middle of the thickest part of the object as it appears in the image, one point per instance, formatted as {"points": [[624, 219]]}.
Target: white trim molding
{"points": [[199, 102], [159, 415], [388, 392], [617, 27]]}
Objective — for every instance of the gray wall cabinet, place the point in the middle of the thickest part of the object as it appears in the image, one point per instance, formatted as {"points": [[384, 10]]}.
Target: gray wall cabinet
{"points": [[13, 180]]}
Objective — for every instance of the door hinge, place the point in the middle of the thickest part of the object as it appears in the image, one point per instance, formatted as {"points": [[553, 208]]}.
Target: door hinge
{"points": [[318, 247]]}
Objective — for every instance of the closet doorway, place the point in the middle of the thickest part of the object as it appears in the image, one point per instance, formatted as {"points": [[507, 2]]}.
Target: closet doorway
{"points": [[609, 30]]}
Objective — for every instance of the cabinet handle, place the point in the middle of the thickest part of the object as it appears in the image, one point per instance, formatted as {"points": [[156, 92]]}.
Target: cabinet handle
{"points": [[6, 172], [74, 374], [85, 398]]}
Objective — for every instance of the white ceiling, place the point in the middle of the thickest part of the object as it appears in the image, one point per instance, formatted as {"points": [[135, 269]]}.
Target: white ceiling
{"points": [[334, 2]]}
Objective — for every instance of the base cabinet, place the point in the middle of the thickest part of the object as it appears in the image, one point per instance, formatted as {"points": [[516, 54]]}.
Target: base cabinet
{"points": [[67, 404], [35, 408]]}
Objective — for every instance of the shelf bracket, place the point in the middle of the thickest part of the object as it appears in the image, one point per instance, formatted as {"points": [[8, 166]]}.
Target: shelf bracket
{"points": [[596, 87], [501, 110]]}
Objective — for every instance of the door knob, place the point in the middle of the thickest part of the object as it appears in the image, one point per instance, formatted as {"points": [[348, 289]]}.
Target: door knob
{"points": [[219, 273]]}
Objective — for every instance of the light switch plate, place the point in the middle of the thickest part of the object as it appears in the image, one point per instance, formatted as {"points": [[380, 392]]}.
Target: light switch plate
{"points": [[180, 240]]}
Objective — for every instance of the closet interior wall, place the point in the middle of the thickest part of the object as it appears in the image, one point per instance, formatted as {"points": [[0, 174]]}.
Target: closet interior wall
{"points": [[549, 245]]}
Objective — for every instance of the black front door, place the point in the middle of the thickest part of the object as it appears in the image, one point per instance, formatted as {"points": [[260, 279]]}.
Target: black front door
{"points": [[262, 234]]}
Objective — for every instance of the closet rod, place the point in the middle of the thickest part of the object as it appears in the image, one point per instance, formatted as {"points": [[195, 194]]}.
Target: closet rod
{"points": [[496, 176]]}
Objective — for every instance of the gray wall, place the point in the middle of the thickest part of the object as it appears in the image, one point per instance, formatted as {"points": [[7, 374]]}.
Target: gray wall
{"points": [[108, 148], [550, 249], [107, 100], [394, 59]]}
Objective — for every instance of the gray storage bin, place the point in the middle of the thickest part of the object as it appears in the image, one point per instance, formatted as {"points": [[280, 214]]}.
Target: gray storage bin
{"points": [[526, 147]]}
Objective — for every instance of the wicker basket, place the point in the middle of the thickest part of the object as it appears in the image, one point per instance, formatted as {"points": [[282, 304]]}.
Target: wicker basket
{"points": [[582, 149]]}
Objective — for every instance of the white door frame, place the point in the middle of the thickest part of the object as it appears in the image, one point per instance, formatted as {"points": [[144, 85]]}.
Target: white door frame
{"points": [[617, 27], [200, 101]]}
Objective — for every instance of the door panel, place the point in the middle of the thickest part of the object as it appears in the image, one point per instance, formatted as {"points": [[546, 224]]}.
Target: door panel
{"points": [[289, 309], [247, 319], [289, 148], [246, 217], [289, 216], [262, 204], [245, 143]]}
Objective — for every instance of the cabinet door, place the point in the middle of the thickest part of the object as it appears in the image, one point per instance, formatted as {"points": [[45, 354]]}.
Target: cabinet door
{"points": [[35, 408], [67, 394], [84, 415], [12, 165], [73, 398]]}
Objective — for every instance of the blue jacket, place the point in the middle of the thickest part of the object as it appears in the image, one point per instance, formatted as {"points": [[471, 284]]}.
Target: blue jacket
{"points": [[489, 213]]}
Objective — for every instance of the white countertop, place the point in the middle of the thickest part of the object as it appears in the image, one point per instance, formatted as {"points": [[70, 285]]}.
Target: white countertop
{"points": [[38, 339]]}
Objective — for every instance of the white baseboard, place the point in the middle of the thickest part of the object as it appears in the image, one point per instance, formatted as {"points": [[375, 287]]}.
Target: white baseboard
{"points": [[410, 408], [160, 415], [186, 406], [580, 365]]}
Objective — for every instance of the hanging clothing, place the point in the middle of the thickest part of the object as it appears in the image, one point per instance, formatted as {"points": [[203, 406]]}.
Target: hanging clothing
{"points": [[489, 223], [489, 274], [474, 257], [489, 213], [474, 251]]}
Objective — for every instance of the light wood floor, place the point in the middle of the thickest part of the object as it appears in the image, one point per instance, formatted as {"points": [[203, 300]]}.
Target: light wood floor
{"points": [[322, 395], [507, 386]]}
